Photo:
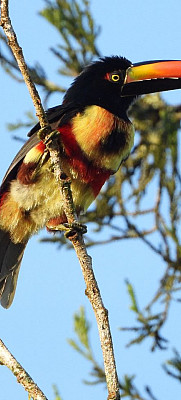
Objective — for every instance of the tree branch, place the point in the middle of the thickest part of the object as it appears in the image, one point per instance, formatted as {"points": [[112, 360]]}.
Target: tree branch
{"points": [[76, 238], [7, 359]]}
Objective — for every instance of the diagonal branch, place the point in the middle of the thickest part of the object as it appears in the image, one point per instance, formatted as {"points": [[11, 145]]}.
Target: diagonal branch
{"points": [[7, 359], [76, 237]]}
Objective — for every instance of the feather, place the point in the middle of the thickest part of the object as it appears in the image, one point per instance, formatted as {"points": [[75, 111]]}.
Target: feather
{"points": [[12, 170], [57, 116], [10, 260]]}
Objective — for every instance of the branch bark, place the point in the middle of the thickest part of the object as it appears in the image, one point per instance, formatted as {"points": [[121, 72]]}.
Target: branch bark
{"points": [[7, 359], [92, 290]]}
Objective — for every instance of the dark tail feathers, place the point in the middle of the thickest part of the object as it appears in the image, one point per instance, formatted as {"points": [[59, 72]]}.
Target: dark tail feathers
{"points": [[10, 260]]}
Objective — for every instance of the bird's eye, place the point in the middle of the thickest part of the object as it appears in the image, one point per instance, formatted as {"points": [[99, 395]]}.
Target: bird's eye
{"points": [[115, 77]]}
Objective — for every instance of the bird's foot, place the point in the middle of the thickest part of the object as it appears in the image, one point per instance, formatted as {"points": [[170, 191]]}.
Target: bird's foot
{"points": [[73, 228], [69, 229], [46, 135]]}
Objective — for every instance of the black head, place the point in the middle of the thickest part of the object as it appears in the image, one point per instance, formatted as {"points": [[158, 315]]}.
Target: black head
{"points": [[114, 82], [101, 83]]}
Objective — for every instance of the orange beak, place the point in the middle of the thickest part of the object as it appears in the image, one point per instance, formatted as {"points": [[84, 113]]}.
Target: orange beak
{"points": [[152, 76]]}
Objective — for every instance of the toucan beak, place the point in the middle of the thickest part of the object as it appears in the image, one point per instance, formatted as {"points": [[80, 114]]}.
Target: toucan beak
{"points": [[151, 77]]}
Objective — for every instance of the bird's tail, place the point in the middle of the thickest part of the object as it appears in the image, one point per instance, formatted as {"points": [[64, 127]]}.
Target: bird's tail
{"points": [[10, 260]]}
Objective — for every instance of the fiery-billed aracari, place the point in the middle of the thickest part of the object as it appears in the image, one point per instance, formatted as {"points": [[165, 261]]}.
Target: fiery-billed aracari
{"points": [[95, 136]]}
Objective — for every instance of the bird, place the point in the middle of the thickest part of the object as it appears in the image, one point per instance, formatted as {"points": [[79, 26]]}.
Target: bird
{"points": [[95, 136]]}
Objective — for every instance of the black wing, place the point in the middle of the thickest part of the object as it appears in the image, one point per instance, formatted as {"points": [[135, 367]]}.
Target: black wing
{"points": [[57, 116]]}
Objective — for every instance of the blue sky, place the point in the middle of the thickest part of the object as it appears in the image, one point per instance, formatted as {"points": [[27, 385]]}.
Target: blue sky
{"points": [[50, 287]]}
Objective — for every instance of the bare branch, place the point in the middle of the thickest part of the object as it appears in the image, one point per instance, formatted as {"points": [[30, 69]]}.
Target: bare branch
{"points": [[7, 359], [101, 314]]}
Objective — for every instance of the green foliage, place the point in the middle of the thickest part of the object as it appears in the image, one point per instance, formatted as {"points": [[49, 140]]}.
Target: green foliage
{"points": [[81, 328], [78, 34], [38, 74], [175, 364], [56, 393], [31, 121], [134, 305], [77, 30], [83, 347], [149, 325]]}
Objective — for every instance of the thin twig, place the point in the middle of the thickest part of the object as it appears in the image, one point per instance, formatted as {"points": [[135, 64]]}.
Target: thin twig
{"points": [[7, 359], [101, 314], [92, 289]]}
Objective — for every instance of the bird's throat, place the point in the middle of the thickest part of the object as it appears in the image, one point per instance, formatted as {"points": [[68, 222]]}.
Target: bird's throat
{"points": [[104, 138]]}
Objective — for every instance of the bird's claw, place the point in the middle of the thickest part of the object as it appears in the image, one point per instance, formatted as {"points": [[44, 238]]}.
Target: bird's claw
{"points": [[69, 229], [73, 228], [46, 135]]}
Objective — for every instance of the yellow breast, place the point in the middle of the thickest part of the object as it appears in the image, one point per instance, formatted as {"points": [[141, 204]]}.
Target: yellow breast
{"points": [[92, 128]]}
